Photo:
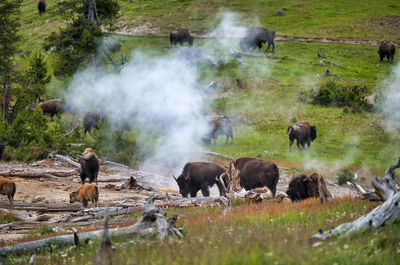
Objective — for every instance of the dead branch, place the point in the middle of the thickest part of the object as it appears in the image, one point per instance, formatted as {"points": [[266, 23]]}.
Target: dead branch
{"points": [[199, 201], [216, 155], [388, 190], [64, 159], [104, 255], [152, 222]]}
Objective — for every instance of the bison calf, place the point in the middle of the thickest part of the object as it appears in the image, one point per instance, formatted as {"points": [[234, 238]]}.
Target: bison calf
{"points": [[90, 165], [303, 132], [86, 193], [197, 176], [387, 48], [7, 187], [302, 187]]}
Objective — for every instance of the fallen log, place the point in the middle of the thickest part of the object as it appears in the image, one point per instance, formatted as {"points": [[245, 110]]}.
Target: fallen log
{"points": [[152, 222], [199, 201], [64, 159], [44, 207], [27, 173], [216, 155], [389, 191]]}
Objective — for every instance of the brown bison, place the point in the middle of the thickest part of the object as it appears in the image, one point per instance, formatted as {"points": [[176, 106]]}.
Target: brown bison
{"points": [[218, 126], [41, 6], [91, 120], [90, 165], [250, 173], [302, 187], [387, 48], [180, 35], [197, 176], [86, 193], [7, 187], [303, 132], [51, 107], [256, 37]]}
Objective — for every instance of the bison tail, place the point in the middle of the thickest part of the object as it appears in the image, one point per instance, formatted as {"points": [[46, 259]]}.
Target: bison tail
{"points": [[289, 128]]}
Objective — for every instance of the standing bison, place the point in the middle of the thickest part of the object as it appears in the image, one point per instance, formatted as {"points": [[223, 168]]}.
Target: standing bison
{"points": [[387, 48], [302, 187], [256, 37], [91, 120], [41, 6], [180, 35], [303, 132], [7, 187], [197, 176], [51, 107], [250, 173], [90, 165], [218, 126]]}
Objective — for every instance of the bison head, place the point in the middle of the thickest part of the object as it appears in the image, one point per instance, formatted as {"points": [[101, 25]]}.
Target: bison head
{"points": [[190, 40], [313, 134], [183, 184], [244, 45]]}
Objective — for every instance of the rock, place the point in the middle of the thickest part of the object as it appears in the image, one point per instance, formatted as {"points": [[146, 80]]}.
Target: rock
{"points": [[38, 199], [279, 13]]}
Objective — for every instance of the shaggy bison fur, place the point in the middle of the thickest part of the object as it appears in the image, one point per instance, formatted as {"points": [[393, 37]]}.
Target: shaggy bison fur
{"points": [[180, 35], [303, 132], [51, 107], [250, 173], [7, 187], [387, 48], [86, 193], [41, 6], [256, 37], [219, 126], [197, 176], [302, 187], [90, 165], [91, 120]]}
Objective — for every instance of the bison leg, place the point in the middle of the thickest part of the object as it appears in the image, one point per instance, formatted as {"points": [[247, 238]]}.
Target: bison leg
{"points": [[204, 190], [83, 177], [11, 200], [298, 144], [85, 203], [273, 190], [269, 45], [290, 144], [193, 194]]}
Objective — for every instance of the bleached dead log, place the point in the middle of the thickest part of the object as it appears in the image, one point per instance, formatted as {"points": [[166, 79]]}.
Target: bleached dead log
{"points": [[44, 207], [389, 191], [64, 159], [109, 163], [199, 201], [216, 155], [28, 173], [152, 222], [104, 255]]}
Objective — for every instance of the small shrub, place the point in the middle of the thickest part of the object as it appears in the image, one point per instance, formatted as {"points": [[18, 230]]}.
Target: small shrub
{"points": [[6, 218], [45, 230], [345, 176], [293, 120], [332, 94]]}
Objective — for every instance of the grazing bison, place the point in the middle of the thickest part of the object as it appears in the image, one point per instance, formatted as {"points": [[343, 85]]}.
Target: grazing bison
{"points": [[91, 120], [41, 6], [90, 165], [303, 132], [218, 126], [51, 107], [180, 35], [2, 147], [256, 37], [387, 48], [197, 176], [249, 173], [302, 187], [85, 193], [7, 187]]}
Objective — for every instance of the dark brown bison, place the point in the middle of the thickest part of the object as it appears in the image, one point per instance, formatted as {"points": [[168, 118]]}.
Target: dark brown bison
{"points": [[91, 120], [302, 187], [86, 193], [41, 6], [7, 187], [256, 37], [180, 35], [303, 132], [218, 126], [197, 176], [250, 173], [387, 48], [90, 165], [2, 147], [52, 107]]}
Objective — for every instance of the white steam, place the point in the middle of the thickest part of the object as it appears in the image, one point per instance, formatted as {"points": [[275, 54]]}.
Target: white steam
{"points": [[391, 103]]}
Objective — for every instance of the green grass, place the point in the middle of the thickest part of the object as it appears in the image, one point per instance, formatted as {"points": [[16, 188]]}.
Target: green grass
{"points": [[252, 234]]}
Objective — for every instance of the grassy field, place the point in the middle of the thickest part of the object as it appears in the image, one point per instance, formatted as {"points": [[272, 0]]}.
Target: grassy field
{"points": [[266, 233]]}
